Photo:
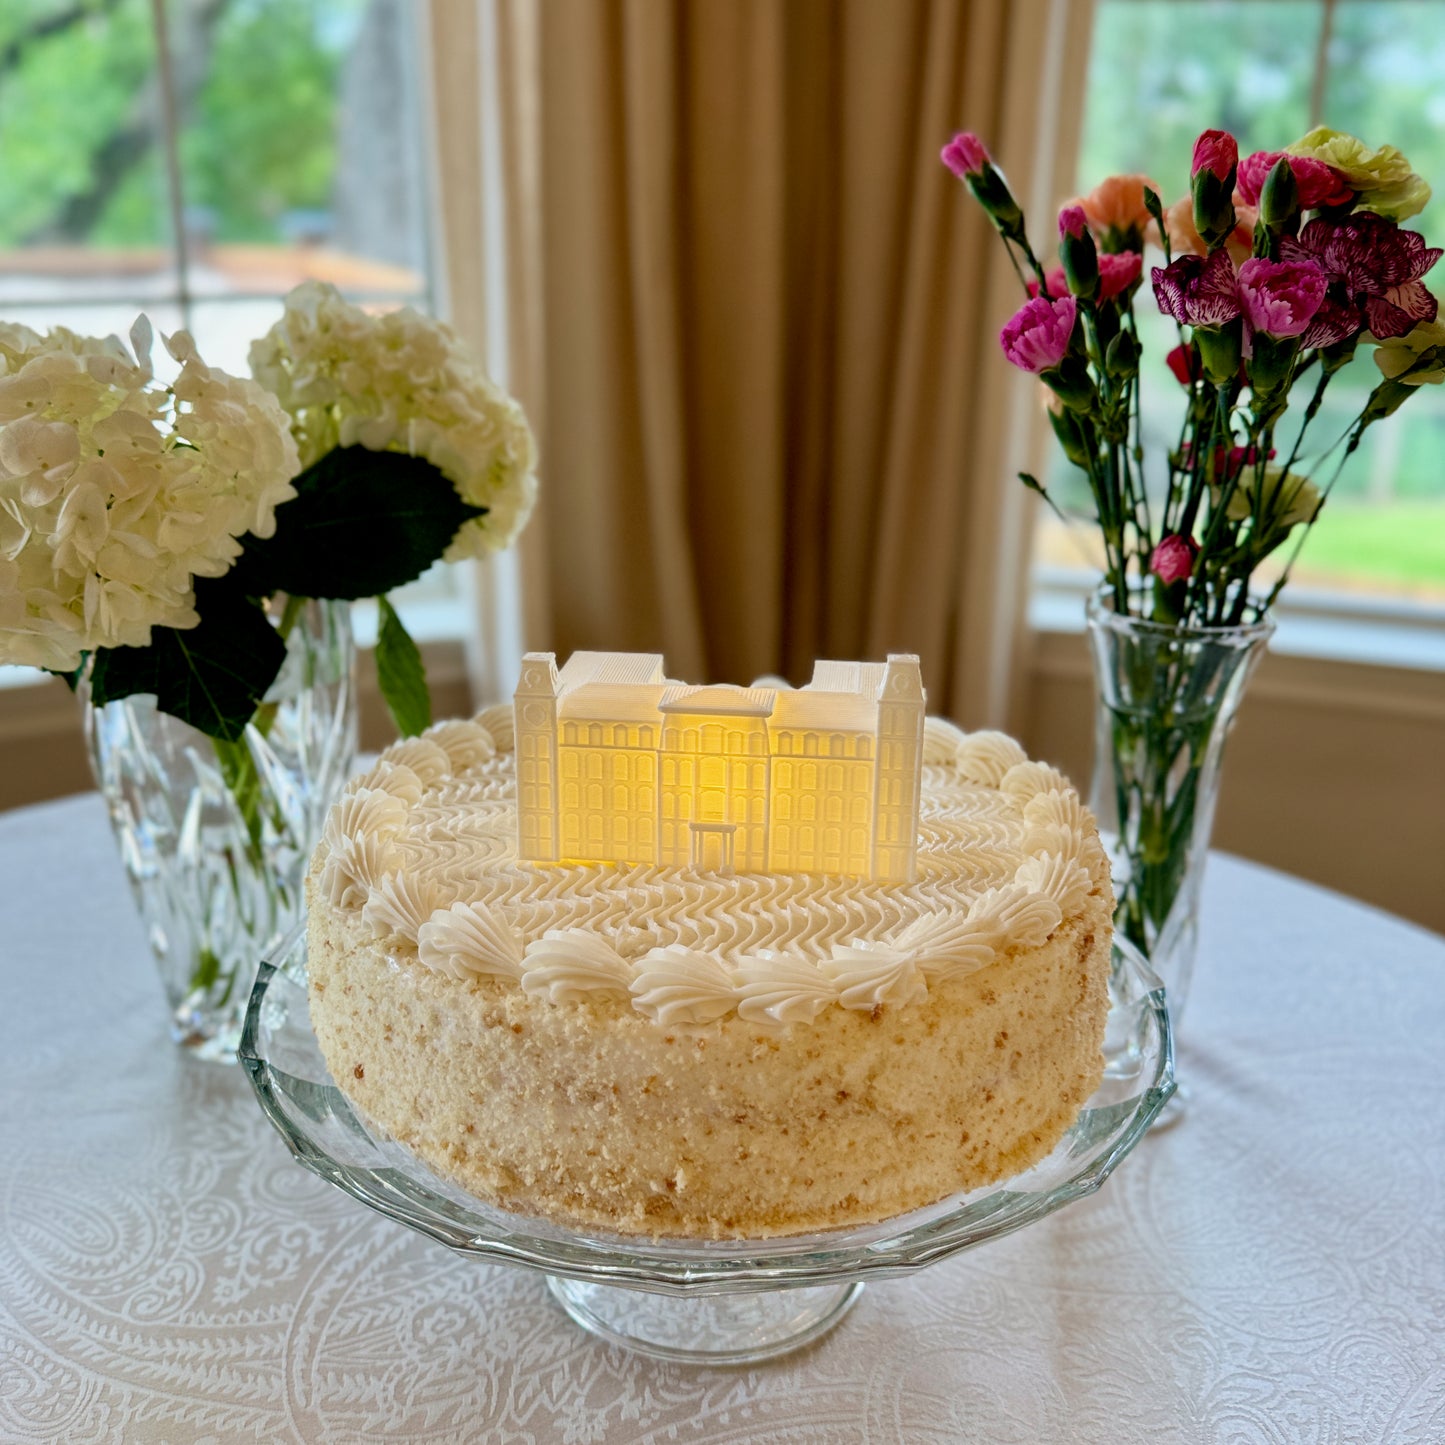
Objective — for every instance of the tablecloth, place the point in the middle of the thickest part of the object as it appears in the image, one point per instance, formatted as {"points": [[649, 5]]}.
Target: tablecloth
{"points": [[1270, 1269]]}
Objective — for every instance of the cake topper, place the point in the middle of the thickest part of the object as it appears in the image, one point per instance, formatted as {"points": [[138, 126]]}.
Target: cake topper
{"points": [[617, 763]]}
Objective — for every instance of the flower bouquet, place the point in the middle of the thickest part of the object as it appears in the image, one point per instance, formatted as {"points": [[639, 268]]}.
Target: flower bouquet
{"points": [[184, 556], [1277, 268]]}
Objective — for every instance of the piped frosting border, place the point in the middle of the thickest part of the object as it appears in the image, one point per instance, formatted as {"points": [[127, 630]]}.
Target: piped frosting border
{"points": [[369, 863]]}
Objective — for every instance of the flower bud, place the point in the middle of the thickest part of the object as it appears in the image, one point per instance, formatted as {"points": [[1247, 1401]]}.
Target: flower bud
{"points": [[965, 155], [1069, 430], [1173, 558], [1078, 253], [1220, 350], [1279, 207], [1184, 364], [1217, 152], [1071, 383], [1122, 357], [991, 191]]}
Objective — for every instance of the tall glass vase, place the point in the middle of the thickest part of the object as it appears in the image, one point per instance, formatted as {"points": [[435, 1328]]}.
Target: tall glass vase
{"points": [[215, 836], [1166, 699]]}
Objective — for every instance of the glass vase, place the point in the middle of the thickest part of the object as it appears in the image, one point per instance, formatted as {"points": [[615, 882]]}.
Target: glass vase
{"points": [[1166, 698], [215, 836]]}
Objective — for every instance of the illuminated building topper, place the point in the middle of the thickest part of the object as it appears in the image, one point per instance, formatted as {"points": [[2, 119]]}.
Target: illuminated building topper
{"points": [[616, 763]]}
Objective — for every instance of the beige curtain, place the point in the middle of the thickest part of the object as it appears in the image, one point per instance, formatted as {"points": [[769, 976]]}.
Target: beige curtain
{"points": [[754, 320]]}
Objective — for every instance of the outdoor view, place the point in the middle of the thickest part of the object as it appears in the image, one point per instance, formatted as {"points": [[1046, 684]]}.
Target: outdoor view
{"points": [[285, 149], [1162, 71], [290, 147]]}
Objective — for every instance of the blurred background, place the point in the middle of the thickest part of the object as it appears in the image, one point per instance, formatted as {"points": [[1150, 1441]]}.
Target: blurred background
{"points": [[710, 246]]}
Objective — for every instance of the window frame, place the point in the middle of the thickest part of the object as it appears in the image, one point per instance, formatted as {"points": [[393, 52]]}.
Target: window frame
{"points": [[1327, 625]]}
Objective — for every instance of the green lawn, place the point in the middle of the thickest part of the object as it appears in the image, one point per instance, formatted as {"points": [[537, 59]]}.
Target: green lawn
{"points": [[1400, 543]]}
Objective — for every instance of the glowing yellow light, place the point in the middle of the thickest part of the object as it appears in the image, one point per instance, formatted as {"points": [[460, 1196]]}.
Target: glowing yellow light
{"points": [[619, 764]]}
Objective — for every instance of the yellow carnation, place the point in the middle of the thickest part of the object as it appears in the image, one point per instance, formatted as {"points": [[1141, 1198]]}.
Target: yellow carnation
{"points": [[1383, 178], [1397, 354], [1281, 501]]}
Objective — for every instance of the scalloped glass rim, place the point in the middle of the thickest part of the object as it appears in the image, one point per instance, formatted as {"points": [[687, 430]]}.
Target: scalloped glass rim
{"points": [[324, 1133]]}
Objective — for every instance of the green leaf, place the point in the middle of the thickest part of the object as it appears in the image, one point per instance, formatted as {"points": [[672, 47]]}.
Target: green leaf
{"points": [[212, 676], [72, 678], [362, 523], [401, 675]]}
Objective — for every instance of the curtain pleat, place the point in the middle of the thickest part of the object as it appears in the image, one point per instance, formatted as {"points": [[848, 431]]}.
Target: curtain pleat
{"points": [[762, 326]]}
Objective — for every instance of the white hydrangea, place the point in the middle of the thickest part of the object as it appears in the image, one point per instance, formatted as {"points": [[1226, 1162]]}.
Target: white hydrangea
{"points": [[401, 382], [116, 492]]}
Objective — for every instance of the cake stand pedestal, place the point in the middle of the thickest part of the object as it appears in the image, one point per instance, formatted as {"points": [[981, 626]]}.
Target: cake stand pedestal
{"points": [[723, 1302], [710, 1329]]}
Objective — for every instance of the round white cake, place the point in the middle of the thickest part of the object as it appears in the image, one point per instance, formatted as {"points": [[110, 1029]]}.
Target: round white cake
{"points": [[673, 1052]]}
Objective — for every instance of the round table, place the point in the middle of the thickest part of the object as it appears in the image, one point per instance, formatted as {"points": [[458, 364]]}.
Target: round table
{"points": [[1272, 1268]]}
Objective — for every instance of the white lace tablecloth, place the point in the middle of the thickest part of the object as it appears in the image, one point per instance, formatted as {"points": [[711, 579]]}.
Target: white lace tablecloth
{"points": [[1272, 1269]]}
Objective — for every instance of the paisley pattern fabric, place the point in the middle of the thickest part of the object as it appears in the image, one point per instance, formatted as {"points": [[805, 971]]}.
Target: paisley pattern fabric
{"points": [[1269, 1270]]}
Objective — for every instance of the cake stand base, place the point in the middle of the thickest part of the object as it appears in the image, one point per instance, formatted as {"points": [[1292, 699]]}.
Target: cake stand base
{"points": [[716, 1329], [1172, 1112]]}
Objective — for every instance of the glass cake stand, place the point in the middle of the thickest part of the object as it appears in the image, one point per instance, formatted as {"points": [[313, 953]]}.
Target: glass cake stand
{"points": [[723, 1302]]}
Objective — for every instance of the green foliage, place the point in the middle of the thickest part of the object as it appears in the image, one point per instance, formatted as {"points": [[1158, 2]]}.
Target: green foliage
{"points": [[362, 523], [1403, 543], [400, 674], [212, 676], [62, 97], [256, 83], [262, 138]]}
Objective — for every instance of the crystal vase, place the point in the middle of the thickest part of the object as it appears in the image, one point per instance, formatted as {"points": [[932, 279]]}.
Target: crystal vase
{"points": [[1166, 699], [215, 836]]}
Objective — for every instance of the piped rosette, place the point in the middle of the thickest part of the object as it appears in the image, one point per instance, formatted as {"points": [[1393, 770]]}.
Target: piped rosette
{"points": [[422, 848]]}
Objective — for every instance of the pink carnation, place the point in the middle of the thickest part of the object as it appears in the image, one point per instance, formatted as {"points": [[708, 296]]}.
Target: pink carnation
{"points": [[1118, 270], [1036, 337], [965, 155], [1318, 183], [1215, 151], [1280, 298], [1072, 221], [1173, 558], [1056, 284]]}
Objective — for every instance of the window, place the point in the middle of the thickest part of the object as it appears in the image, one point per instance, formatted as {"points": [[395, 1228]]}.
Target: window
{"points": [[196, 159], [1162, 71]]}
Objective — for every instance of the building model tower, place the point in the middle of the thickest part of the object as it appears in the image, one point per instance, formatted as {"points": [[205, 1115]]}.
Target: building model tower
{"points": [[618, 764]]}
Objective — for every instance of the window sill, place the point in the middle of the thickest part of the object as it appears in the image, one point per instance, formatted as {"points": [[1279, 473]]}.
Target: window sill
{"points": [[1317, 625], [440, 620]]}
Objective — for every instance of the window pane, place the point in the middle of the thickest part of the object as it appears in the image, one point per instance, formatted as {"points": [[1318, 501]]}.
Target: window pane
{"points": [[83, 208], [225, 330], [1384, 529], [1163, 70], [301, 150]]}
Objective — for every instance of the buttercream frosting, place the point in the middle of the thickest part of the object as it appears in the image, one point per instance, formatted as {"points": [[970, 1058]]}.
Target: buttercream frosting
{"points": [[567, 965], [678, 986], [423, 846]]}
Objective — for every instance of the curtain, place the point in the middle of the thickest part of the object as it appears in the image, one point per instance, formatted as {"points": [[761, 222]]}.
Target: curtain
{"points": [[754, 322]]}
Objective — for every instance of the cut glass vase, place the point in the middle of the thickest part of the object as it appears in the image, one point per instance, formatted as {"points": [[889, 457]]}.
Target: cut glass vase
{"points": [[214, 836], [1166, 698]]}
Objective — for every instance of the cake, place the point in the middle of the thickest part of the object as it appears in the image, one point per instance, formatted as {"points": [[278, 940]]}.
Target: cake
{"points": [[662, 1025]]}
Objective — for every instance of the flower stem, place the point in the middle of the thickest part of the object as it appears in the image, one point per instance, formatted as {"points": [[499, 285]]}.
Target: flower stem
{"points": [[243, 781]]}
